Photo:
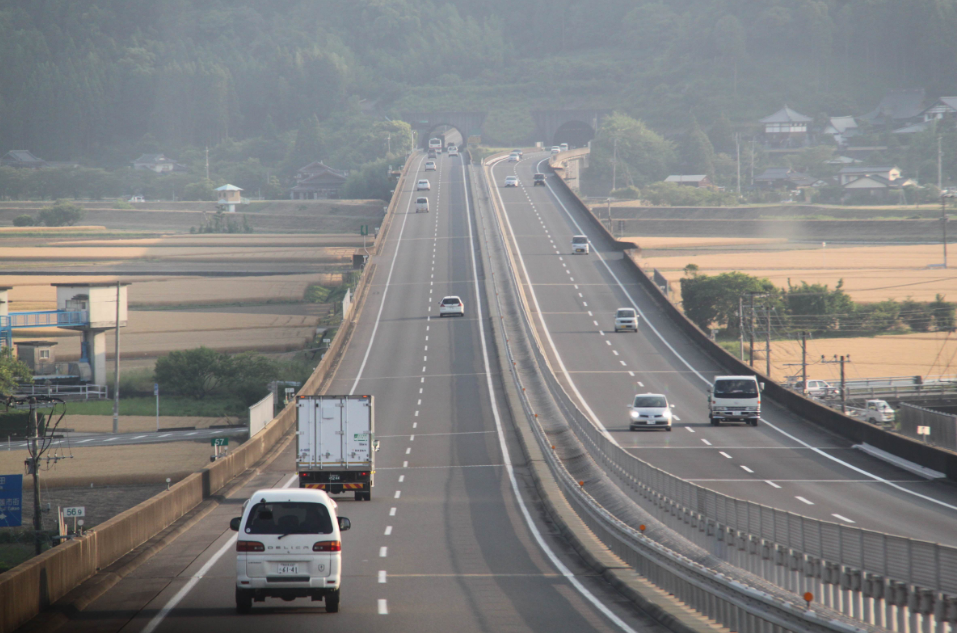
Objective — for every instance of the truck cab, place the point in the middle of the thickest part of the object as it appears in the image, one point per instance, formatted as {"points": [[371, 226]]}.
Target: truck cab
{"points": [[580, 244], [879, 412], [735, 398]]}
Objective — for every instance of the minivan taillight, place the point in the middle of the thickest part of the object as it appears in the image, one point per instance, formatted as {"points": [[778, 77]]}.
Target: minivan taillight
{"points": [[327, 546], [250, 546]]}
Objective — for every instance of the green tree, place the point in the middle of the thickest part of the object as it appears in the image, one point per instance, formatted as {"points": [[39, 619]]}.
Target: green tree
{"points": [[201, 190], [12, 372], [817, 308], [642, 155], [943, 312], [721, 136], [695, 151], [195, 372], [731, 42], [916, 315], [247, 375], [309, 145], [63, 213], [23, 220], [713, 300]]}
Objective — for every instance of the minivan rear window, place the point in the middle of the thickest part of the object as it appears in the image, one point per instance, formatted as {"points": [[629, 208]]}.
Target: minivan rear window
{"points": [[579, 240], [289, 517], [736, 388], [626, 314]]}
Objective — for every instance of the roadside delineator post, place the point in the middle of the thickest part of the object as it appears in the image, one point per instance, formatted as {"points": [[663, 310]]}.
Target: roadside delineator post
{"points": [[808, 598]]}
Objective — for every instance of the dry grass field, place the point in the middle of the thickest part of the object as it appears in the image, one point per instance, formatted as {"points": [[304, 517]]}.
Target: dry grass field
{"points": [[870, 273], [137, 423], [929, 354], [147, 462]]}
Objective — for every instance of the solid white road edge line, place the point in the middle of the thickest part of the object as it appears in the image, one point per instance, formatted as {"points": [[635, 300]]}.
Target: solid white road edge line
{"points": [[506, 458], [541, 319], [385, 291], [175, 600], [708, 382]]}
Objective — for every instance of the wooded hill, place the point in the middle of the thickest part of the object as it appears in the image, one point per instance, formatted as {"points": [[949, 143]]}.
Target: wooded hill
{"points": [[98, 81]]}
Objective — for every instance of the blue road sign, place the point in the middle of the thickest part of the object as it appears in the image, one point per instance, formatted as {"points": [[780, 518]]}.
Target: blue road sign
{"points": [[11, 500]]}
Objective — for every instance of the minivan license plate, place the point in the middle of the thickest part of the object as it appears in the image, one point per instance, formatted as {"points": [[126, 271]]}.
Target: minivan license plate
{"points": [[288, 569]]}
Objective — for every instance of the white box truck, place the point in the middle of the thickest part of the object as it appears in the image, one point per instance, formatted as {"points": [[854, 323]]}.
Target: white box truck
{"points": [[335, 444]]}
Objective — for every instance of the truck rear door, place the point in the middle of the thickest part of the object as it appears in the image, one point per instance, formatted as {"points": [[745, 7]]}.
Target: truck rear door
{"points": [[308, 446], [357, 436], [330, 430]]}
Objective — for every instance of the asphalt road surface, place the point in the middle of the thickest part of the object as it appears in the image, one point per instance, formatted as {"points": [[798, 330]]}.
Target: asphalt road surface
{"points": [[454, 537], [785, 462]]}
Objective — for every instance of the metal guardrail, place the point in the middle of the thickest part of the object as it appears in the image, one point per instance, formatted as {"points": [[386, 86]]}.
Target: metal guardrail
{"points": [[45, 318], [84, 392], [878, 579], [942, 427]]}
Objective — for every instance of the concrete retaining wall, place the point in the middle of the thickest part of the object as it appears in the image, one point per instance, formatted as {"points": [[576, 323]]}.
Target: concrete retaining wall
{"points": [[850, 428], [32, 586]]}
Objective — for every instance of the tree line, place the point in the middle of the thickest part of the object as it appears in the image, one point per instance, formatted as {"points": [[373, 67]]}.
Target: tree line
{"points": [[712, 301]]}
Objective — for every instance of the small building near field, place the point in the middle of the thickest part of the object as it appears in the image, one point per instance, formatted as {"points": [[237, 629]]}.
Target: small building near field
{"points": [[317, 181], [158, 163], [698, 180], [783, 177], [39, 356], [786, 129], [22, 158], [849, 174], [229, 197]]}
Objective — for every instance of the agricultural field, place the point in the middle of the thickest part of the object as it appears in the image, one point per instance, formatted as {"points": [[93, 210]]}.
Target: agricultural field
{"points": [[869, 273]]}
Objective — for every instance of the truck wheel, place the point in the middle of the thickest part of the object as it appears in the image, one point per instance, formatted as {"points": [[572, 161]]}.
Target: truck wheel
{"points": [[754, 422], [244, 601], [714, 422], [332, 602]]}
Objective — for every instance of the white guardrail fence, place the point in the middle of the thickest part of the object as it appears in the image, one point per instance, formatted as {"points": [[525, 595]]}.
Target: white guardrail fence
{"points": [[874, 580]]}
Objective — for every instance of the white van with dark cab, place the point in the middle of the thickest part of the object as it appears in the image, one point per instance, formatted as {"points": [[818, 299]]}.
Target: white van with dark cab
{"points": [[289, 547]]}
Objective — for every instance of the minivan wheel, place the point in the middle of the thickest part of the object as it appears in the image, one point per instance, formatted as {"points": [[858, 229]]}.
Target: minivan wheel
{"points": [[244, 601], [332, 602], [714, 422]]}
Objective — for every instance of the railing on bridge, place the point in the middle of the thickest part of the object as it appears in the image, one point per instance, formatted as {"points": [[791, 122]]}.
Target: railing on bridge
{"points": [[45, 318], [67, 392]]}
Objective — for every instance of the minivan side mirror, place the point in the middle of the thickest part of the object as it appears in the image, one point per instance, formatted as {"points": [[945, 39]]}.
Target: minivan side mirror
{"points": [[710, 390], [762, 386], [234, 524], [344, 524]]}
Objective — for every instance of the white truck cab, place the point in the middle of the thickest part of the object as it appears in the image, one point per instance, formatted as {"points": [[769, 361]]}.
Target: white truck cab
{"points": [[735, 398], [878, 412]]}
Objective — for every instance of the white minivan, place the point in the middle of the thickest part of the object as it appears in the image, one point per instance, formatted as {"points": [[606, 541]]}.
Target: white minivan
{"points": [[735, 398], [289, 547]]}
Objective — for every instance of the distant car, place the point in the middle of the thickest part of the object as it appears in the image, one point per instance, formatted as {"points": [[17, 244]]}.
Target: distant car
{"points": [[453, 150], [816, 388], [432, 153], [517, 151], [451, 306], [289, 547], [421, 205], [511, 181], [137, 199], [649, 410], [514, 158], [879, 412], [580, 245], [538, 179], [423, 185], [556, 149], [430, 165], [626, 320], [564, 147]]}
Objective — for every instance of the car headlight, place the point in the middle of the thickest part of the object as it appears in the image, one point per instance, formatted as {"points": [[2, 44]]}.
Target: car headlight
{"points": [[634, 415]]}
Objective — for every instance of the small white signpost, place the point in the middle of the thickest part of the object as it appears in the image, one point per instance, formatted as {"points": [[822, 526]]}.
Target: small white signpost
{"points": [[75, 513], [923, 430]]}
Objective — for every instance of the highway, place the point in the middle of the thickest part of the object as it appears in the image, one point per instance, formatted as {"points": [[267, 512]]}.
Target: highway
{"points": [[454, 536], [785, 462]]}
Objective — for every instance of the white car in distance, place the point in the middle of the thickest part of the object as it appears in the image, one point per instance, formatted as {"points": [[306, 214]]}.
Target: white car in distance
{"points": [[451, 306], [430, 165], [648, 411], [626, 320], [580, 244], [514, 158], [453, 150], [289, 546], [556, 149], [422, 205], [423, 185], [511, 181]]}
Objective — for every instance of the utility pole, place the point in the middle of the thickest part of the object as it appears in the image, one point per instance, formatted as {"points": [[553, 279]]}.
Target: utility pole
{"points": [[843, 390], [388, 139], [33, 465], [207, 162], [116, 365], [943, 222], [737, 149], [741, 328], [804, 361], [767, 340], [751, 327], [940, 173], [614, 166], [752, 161]]}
